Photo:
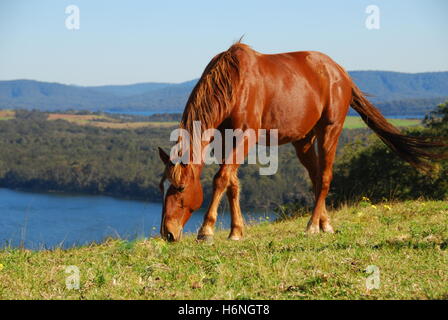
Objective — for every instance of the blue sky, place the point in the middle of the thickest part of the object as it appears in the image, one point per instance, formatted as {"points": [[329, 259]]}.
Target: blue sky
{"points": [[121, 42]]}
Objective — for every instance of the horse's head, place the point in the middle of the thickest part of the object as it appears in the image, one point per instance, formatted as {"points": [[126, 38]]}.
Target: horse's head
{"points": [[182, 194]]}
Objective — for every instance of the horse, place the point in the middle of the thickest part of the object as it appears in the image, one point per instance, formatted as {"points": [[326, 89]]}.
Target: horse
{"points": [[306, 96]]}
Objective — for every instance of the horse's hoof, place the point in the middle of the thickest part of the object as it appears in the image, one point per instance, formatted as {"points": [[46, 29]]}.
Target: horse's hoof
{"points": [[312, 229], [327, 228], [205, 237], [235, 237]]}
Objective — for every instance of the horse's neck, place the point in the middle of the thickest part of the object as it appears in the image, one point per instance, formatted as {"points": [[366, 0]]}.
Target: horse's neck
{"points": [[194, 137], [196, 154], [198, 169]]}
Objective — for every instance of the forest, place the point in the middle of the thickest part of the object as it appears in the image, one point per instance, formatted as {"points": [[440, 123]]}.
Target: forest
{"points": [[59, 156]]}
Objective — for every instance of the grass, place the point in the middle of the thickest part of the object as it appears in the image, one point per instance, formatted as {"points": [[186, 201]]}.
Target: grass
{"points": [[7, 114], [406, 241], [104, 121], [353, 122]]}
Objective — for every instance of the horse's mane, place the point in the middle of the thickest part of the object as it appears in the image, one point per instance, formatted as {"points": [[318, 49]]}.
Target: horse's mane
{"points": [[211, 99]]}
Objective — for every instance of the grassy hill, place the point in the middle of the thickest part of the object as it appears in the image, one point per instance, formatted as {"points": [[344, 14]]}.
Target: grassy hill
{"points": [[407, 242]]}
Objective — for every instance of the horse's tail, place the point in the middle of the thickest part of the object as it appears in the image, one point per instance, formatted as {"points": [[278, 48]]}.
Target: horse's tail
{"points": [[411, 149]]}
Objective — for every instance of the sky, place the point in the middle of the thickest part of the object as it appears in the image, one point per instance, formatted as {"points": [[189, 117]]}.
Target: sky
{"points": [[123, 42]]}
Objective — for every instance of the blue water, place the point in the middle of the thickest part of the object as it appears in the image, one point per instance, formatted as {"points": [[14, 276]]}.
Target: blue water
{"points": [[40, 221], [413, 116]]}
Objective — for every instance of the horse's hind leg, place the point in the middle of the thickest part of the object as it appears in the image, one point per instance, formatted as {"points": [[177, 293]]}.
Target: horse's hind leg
{"points": [[327, 140], [307, 154]]}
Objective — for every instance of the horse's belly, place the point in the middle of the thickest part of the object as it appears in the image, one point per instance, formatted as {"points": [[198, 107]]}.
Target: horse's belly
{"points": [[292, 122]]}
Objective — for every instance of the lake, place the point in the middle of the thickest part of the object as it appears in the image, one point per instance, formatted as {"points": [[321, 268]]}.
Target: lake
{"points": [[44, 221]]}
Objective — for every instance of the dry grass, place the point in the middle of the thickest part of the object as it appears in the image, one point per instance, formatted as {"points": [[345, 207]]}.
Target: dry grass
{"points": [[7, 114], [79, 119], [103, 121]]}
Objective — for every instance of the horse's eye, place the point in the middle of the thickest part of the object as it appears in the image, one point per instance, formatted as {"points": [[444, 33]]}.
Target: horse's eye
{"points": [[180, 189]]}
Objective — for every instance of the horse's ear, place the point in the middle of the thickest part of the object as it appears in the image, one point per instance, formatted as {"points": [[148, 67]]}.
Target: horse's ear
{"points": [[164, 156]]}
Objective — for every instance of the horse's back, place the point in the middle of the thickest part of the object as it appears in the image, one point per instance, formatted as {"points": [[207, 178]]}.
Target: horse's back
{"points": [[290, 91]]}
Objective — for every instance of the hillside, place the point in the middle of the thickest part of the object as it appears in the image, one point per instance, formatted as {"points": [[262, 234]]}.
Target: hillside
{"points": [[385, 86], [394, 93], [407, 242], [93, 154]]}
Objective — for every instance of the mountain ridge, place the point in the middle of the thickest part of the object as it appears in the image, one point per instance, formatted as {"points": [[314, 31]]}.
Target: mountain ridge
{"points": [[393, 92]]}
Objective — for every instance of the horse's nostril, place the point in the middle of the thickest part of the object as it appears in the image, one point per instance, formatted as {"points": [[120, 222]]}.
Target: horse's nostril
{"points": [[170, 236]]}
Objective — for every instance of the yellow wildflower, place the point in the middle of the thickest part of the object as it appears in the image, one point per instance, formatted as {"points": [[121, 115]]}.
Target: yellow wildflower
{"points": [[373, 206], [387, 207], [1, 267]]}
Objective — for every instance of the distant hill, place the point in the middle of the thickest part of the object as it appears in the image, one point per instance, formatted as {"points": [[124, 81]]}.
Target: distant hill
{"points": [[131, 89], [396, 93], [30, 94], [392, 86], [393, 92]]}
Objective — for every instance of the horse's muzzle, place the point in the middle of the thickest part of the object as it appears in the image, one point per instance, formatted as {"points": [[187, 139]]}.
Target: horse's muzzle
{"points": [[172, 236]]}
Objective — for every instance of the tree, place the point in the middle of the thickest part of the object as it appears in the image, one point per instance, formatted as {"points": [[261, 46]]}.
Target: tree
{"points": [[376, 172]]}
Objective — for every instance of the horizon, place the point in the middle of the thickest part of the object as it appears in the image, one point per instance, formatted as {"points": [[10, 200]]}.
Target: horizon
{"points": [[119, 44]]}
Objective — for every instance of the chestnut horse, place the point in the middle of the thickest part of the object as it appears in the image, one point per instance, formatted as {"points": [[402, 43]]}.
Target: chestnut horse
{"points": [[305, 95]]}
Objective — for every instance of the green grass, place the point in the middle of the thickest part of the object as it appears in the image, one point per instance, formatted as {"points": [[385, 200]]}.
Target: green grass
{"points": [[408, 243], [352, 122]]}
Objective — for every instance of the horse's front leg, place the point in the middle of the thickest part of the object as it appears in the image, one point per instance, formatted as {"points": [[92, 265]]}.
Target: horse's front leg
{"points": [[220, 183]]}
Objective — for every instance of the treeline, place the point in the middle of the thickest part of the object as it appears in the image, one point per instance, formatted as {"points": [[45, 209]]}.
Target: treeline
{"points": [[42, 155], [37, 154], [374, 171]]}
